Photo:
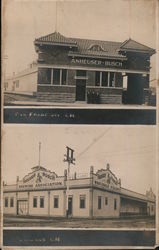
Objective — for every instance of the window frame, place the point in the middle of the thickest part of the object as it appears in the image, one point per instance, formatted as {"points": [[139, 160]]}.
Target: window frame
{"points": [[52, 77], [42, 199], [6, 201], [56, 197], [11, 201], [115, 204], [108, 79], [100, 204], [82, 198], [106, 201], [35, 198]]}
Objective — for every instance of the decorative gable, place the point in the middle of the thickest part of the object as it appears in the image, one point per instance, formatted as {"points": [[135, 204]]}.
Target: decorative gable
{"points": [[40, 178], [105, 176], [96, 47]]}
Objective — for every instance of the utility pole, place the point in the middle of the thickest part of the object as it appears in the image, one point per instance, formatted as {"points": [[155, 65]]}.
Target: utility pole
{"points": [[39, 151], [69, 158], [56, 18]]}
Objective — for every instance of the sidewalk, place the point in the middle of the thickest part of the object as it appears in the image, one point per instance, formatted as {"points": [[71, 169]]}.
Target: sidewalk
{"points": [[77, 105]]}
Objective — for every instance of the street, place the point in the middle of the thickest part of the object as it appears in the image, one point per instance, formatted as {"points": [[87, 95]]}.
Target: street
{"points": [[145, 222]]}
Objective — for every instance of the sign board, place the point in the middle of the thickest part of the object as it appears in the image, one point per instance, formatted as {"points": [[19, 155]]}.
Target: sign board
{"points": [[40, 178]]}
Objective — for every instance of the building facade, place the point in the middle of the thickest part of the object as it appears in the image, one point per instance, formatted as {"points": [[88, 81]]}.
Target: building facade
{"points": [[95, 195], [24, 82], [92, 71]]}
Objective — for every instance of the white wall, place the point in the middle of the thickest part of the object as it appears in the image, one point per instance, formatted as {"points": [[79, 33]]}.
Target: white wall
{"points": [[27, 82], [151, 208], [76, 210], [10, 210], [60, 210], [106, 210], [38, 210]]}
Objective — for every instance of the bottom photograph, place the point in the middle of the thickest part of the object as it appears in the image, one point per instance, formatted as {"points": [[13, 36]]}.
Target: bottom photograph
{"points": [[79, 176]]}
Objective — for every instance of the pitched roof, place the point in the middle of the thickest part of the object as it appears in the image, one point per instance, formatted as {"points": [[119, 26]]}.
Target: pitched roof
{"points": [[134, 45], [108, 48], [55, 37]]}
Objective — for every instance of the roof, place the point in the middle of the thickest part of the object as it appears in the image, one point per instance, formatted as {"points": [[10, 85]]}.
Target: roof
{"points": [[134, 195], [134, 45], [107, 48]]}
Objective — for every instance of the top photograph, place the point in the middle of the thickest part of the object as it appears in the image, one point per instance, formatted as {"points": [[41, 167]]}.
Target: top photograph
{"points": [[80, 54]]}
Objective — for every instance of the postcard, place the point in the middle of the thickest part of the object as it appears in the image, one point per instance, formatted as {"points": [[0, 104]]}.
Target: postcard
{"points": [[79, 124]]}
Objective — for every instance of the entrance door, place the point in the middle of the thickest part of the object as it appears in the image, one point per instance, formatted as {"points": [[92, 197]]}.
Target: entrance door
{"points": [[80, 90], [70, 206], [22, 207]]}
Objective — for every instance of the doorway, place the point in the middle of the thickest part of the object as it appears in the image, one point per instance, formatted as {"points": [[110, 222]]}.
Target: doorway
{"points": [[22, 207], [135, 90], [70, 206], [80, 90]]}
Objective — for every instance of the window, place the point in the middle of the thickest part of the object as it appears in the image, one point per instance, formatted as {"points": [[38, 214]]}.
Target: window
{"points": [[97, 78], [5, 85], [81, 73], [115, 204], [41, 202], [82, 201], [104, 79], [6, 202], [44, 76], [11, 202], [34, 201], [112, 79], [106, 200], [56, 202], [99, 202], [64, 76], [56, 76], [52, 76], [16, 83], [151, 208]]}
